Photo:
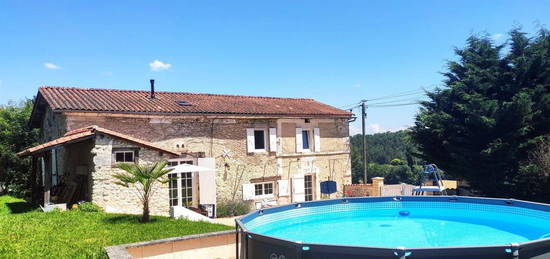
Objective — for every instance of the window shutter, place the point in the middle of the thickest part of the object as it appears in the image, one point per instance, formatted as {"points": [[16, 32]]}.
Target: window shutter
{"points": [[283, 187], [298, 189], [250, 140], [43, 170], [248, 191], [317, 139], [273, 139], [207, 179], [54, 167], [299, 144]]}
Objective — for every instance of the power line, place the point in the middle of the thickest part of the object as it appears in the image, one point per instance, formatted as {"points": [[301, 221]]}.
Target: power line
{"points": [[349, 105], [393, 105], [404, 93], [414, 99], [397, 95]]}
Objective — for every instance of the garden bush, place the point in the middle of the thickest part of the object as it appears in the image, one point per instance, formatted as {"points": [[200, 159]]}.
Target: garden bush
{"points": [[232, 208], [394, 174], [89, 207]]}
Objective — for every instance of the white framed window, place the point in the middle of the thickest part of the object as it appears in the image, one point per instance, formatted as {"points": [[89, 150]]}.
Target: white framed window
{"points": [[256, 140], [180, 186], [125, 155], [175, 162], [263, 190], [306, 140], [259, 140], [173, 190], [308, 187], [172, 163]]}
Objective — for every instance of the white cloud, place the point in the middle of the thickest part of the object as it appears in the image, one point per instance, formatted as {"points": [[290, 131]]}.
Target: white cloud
{"points": [[50, 65], [158, 65], [356, 86], [376, 128], [497, 36]]}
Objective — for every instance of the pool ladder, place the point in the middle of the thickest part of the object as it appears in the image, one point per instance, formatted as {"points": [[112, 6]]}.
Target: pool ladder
{"points": [[427, 171]]}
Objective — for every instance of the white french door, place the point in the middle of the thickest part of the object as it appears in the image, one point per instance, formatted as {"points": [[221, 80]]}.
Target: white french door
{"points": [[180, 188]]}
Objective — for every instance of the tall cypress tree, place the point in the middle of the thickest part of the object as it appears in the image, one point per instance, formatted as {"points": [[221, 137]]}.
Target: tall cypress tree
{"points": [[491, 112]]}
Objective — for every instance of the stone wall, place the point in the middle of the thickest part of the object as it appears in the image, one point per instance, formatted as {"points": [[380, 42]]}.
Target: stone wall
{"points": [[225, 140], [118, 199], [54, 126]]}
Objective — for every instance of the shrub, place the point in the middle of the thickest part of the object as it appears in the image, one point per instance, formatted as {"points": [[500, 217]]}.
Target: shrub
{"points": [[393, 174], [89, 207], [232, 208], [397, 161]]}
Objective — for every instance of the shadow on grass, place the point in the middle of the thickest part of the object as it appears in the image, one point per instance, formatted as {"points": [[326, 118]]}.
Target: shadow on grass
{"points": [[125, 219], [19, 207]]}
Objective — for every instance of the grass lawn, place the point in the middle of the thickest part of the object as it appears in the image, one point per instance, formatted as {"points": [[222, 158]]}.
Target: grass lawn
{"points": [[26, 232]]}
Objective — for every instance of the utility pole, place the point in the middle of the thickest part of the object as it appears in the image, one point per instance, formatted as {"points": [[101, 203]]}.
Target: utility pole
{"points": [[363, 118]]}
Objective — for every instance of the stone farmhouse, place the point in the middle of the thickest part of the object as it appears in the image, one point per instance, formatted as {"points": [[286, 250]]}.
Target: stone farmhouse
{"points": [[265, 150]]}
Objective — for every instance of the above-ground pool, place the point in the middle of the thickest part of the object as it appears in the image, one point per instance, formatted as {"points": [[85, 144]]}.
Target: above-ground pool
{"points": [[398, 227]]}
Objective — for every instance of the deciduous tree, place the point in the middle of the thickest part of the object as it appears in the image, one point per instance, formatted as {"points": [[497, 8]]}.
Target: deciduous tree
{"points": [[15, 136]]}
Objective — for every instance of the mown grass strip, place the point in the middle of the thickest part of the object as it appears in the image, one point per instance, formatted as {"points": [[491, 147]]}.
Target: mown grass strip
{"points": [[26, 232]]}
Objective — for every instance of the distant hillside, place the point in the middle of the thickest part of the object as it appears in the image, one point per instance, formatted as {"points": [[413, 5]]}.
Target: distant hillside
{"points": [[382, 148]]}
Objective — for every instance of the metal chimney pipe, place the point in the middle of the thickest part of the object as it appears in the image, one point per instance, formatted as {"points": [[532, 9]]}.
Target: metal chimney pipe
{"points": [[152, 88]]}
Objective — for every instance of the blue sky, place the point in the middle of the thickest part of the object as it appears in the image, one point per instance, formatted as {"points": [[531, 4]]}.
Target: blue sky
{"points": [[337, 52]]}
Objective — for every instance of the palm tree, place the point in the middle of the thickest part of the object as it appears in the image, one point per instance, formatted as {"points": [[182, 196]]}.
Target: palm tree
{"points": [[143, 178]]}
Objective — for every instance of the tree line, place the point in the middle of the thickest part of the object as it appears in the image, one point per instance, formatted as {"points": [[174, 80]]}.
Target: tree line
{"points": [[390, 155], [487, 122], [16, 135]]}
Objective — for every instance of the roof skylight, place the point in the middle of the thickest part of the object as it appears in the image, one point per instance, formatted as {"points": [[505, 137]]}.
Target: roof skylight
{"points": [[183, 103]]}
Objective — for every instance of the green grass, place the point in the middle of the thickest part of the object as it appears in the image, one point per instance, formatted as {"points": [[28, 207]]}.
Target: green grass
{"points": [[26, 232]]}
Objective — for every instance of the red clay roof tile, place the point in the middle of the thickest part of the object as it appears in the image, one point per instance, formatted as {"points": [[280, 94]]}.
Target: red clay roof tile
{"points": [[84, 133], [108, 100]]}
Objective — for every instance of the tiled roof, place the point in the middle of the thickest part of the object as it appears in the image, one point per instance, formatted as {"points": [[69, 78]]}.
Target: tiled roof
{"points": [[84, 133], [128, 101]]}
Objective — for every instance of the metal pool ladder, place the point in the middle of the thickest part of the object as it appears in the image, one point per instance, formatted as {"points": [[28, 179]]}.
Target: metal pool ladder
{"points": [[427, 171]]}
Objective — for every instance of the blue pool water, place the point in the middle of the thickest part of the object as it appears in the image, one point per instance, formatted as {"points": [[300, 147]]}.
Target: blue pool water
{"points": [[407, 224]]}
